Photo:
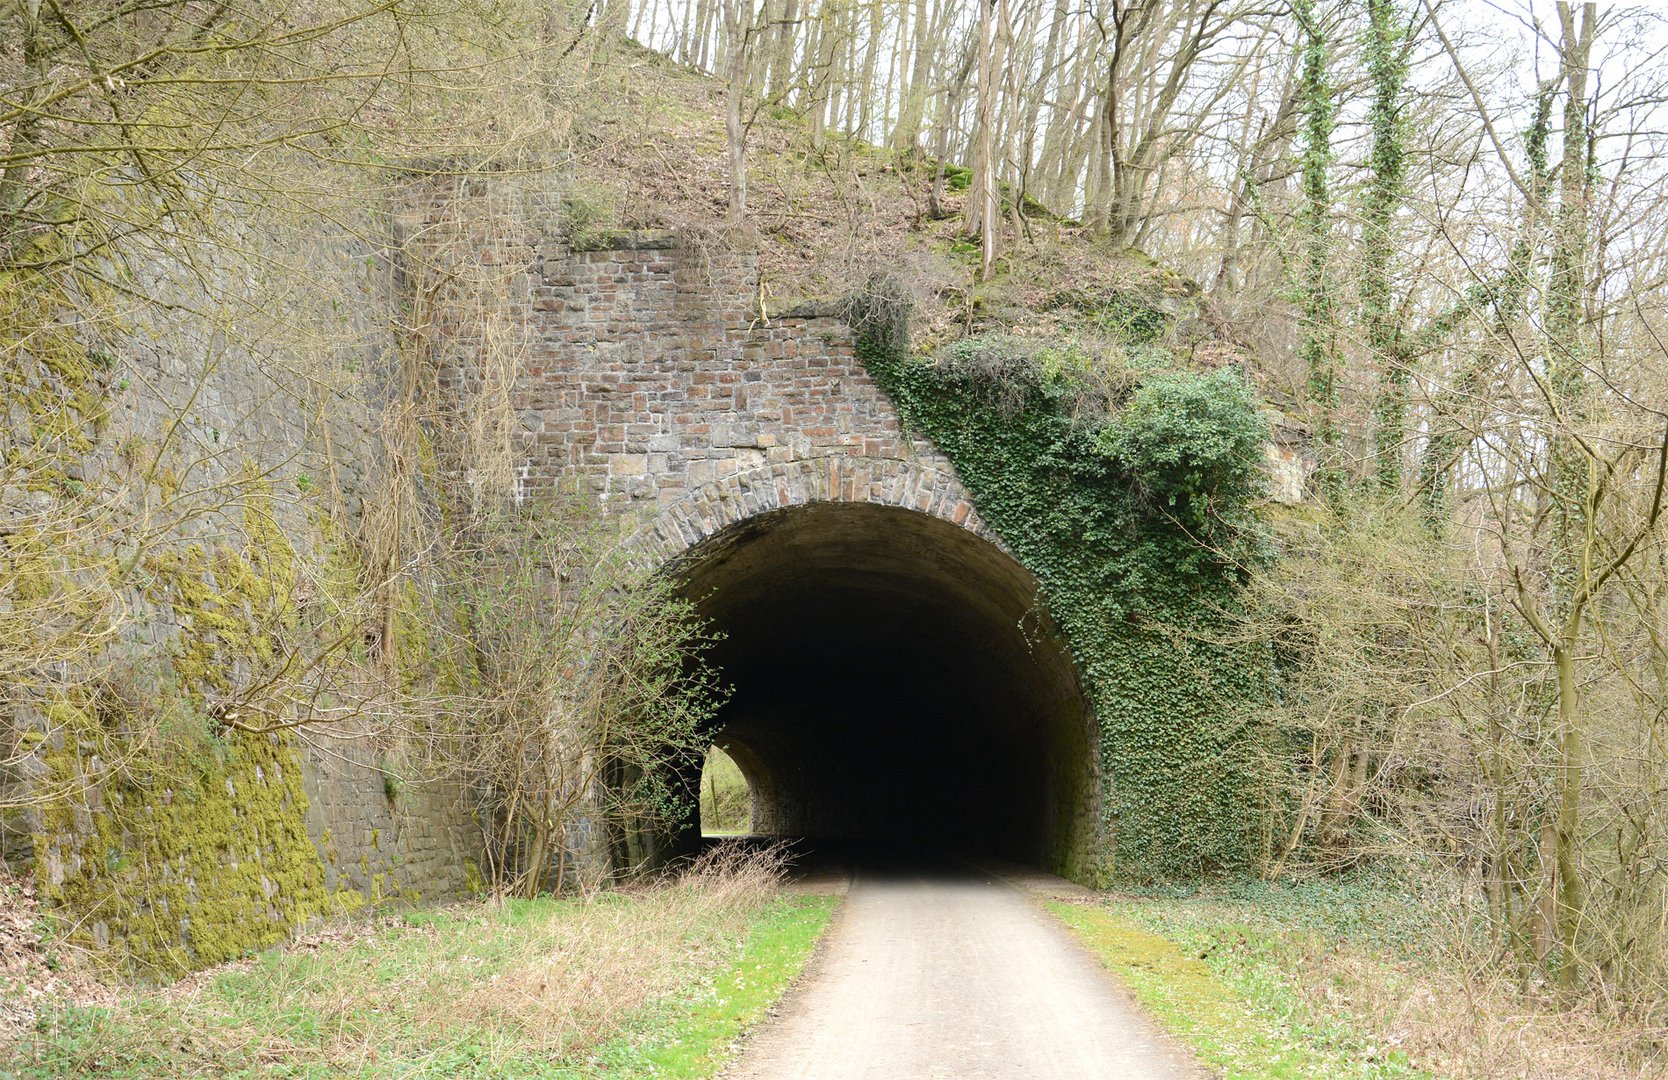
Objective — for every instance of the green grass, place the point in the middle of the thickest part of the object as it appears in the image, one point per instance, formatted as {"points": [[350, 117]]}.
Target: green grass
{"points": [[652, 984], [1223, 974], [690, 1035]]}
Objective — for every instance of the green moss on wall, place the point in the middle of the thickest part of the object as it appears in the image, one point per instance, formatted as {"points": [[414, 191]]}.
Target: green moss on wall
{"points": [[160, 830], [1133, 513], [53, 379], [187, 861], [172, 838], [233, 603]]}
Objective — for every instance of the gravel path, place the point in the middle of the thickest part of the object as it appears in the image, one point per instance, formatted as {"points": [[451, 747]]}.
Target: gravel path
{"points": [[955, 973]]}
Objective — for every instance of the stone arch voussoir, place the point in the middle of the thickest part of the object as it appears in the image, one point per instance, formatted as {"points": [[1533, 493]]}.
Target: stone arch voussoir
{"points": [[909, 484]]}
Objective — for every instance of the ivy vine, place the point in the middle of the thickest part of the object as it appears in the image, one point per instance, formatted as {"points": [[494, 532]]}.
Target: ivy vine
{"points": [[1134, 513]]}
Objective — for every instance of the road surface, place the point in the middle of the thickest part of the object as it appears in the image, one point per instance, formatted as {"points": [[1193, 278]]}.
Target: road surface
{"points": [[952, 972]]}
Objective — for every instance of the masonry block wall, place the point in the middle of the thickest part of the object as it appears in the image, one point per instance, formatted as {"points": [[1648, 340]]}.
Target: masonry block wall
{"points": [[651, 377], [211, 471], [383, 836]]}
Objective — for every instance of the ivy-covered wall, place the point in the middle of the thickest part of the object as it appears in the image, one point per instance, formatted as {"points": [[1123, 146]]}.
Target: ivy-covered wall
{"points": [[1130, 500]]}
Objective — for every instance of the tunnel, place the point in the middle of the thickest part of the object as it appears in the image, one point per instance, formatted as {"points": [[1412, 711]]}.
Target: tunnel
{"points": [[895, 680]]}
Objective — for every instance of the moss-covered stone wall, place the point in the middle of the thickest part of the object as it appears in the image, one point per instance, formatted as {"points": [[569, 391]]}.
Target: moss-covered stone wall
{"points": [[166, 541], [194, 862]]}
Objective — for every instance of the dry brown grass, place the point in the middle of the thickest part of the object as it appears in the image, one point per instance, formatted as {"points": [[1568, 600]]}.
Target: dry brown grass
{"points": [[483, 988], [574, 985], [1480, 1024]]}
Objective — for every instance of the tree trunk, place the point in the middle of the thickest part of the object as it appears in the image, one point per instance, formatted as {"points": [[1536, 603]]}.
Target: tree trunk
{"points": [[981, 211], [735, 132], [1566, 375], [783, 30], [1387, 68], [953, 95], [1567, 835], [913, 98]]}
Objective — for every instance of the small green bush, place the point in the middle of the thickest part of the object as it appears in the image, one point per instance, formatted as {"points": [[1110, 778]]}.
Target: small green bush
{"points": [[1193, 441]]}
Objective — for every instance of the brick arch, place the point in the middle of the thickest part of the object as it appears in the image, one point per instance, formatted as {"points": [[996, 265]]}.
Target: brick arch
{"points": [[890, 659], [909, 484]]}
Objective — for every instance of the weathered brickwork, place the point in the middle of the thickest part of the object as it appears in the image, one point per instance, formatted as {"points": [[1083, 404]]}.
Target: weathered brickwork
{"points": [[919, 485], [218, 479], [652, 381], [383, 835]]}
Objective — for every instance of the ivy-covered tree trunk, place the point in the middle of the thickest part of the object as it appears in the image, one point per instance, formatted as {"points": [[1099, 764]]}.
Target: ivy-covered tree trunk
{"points": [[1504, 301], [1319, 347], [1387, 68], [1570, 466]]}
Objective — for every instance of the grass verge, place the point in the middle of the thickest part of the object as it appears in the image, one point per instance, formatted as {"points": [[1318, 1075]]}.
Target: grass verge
{"points": [[1242, 1017], [690, 1035], [1366, 977], [654, 981]]}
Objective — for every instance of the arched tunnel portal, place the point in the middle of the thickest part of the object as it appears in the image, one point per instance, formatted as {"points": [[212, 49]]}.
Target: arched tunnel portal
{"points": [[894, 679]]}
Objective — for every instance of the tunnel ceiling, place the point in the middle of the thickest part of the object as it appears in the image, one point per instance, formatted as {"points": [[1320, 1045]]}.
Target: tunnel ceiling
{"points": [[894, 679]]}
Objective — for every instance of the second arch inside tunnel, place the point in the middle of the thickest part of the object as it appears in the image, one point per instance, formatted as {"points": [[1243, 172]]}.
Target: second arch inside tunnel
{"points": [[895, 680]]}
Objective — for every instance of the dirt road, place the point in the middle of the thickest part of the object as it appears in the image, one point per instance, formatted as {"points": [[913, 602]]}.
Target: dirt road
{"points": [[954, 973]]}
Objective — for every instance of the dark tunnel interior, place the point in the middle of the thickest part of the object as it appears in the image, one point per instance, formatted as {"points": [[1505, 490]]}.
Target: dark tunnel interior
{"points": [[895, 681]]}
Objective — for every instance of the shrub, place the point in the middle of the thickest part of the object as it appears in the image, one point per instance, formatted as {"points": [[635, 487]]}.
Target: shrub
{"points": [[1192, 441]]}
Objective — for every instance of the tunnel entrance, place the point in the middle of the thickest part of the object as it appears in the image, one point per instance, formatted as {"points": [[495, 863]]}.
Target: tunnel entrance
{"points": [[895, 681]]}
